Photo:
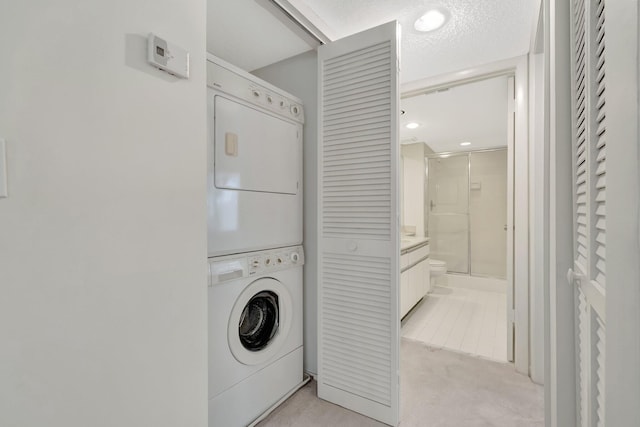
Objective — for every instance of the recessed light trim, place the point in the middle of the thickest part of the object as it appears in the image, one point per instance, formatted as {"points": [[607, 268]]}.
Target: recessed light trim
{"points": [[412, 125], [464, 144], [431, 20]]}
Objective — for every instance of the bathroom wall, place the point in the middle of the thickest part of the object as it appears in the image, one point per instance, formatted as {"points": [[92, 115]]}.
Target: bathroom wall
{"points": [[103, 268], [298, 75], [413, 183]]}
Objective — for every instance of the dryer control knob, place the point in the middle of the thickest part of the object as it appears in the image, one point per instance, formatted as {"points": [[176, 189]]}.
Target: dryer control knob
{"points": [[295, 110], [267, 261], [295, 257]]}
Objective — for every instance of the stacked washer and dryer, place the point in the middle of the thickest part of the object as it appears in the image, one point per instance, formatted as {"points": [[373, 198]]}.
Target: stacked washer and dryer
{"points": [[254, 236]]}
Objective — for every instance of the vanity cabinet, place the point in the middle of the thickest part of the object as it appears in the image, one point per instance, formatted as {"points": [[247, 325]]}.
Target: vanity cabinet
{"points": [[414, 276]]}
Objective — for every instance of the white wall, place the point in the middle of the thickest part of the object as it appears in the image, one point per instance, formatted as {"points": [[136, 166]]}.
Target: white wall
{"points": [[560, 378], [623, 214], [103, 237], [521, 217], [413, 183], [298, 75], [538, 214]]}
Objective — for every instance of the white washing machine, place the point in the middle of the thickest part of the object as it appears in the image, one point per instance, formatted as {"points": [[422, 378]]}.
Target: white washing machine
{"points": [[254, 196], [255, 333]]}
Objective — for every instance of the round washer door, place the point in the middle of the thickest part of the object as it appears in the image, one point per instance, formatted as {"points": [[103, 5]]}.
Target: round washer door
{"points": [[260, 321]]}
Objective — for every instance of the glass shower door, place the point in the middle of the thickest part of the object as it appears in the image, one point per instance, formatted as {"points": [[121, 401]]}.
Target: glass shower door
{"points": [[449, 211], [488, 207]]}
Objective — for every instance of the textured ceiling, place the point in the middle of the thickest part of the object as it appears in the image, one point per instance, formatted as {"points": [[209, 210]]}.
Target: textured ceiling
{"points": [[246, 34], [478, 31], [475, 112]]}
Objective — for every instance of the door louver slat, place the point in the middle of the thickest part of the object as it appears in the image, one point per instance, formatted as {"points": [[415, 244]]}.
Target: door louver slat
{"points": [[599, 150], [582, 238], [590, 174], [582, 350], [352, 57], [346, 363], [346, 156], [598, 380]]}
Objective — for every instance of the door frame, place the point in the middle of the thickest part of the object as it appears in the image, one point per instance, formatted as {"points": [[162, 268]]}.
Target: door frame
{"points": [[518, 67], [622, 390]]}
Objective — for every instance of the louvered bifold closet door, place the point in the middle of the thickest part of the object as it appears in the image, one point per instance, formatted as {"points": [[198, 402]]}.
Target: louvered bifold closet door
{"points": [[589, 142], [358, 236]]}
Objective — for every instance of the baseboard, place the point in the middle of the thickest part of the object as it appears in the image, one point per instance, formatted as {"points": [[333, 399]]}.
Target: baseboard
{"points": [[472, 282]]}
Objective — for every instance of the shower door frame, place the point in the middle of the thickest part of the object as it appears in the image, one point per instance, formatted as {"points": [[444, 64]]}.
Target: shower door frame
{"points": [[449, 154], [517, 67]]}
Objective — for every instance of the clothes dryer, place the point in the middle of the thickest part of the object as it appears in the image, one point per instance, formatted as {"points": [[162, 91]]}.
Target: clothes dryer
{"points": [[255, 333], [254, 162]]}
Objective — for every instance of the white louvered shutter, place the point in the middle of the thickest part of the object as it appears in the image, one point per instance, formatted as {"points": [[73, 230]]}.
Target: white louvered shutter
{"points": [[358, 236], [589, 272]]}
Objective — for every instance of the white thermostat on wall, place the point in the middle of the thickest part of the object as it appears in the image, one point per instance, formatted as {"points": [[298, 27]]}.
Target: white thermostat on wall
{"points": [[168, 57]]}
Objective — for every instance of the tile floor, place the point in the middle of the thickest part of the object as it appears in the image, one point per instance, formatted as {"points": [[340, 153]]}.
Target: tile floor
{"points": [[464, 320]]}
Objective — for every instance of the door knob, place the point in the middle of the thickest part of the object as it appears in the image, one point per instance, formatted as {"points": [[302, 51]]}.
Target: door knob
{"points": [[574, 278]]}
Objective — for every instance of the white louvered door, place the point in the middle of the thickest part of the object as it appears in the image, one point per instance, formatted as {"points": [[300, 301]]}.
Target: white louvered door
{"points": [[358, 236], [589, 149]]}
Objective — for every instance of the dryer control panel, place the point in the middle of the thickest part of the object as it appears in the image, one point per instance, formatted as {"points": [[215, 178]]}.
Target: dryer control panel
{"points": [[231, 267], [229, 79]]}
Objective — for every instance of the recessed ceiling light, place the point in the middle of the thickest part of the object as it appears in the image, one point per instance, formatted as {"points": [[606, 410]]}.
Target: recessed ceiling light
{"points": [[412, 125], [432, 20], [464, 144]]}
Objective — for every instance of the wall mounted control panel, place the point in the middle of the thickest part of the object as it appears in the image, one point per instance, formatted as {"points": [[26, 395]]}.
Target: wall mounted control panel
{"points": [[168, 57]]}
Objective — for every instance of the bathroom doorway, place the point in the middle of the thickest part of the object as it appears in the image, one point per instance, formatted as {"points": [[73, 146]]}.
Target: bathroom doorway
{"points": [[467, 131]]}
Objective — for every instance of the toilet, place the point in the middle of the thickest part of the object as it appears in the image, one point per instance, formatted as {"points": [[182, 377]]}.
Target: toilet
{"points": [[438, 268]]}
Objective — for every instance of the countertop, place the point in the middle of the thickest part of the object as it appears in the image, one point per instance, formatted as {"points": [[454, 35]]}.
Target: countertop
{"points": [[409, 242]]}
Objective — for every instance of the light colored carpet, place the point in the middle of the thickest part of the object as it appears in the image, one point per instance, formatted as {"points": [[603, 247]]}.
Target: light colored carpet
{"points": [[438, 389]]}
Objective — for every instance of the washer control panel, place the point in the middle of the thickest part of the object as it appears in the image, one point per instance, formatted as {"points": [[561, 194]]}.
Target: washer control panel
{"points": [[275, 260], [232, 267]]}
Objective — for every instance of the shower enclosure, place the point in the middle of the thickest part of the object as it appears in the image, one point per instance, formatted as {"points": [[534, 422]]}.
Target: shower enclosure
{"points": [[467, 211]]}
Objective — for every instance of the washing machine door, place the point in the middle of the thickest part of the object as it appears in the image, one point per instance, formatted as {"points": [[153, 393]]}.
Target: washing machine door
{"points": [[260, 321]]}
